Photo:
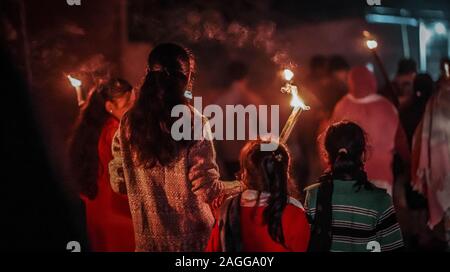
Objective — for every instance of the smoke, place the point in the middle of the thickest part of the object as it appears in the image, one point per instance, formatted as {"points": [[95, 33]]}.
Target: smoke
{"points": [[238, 34], [196, 25], [282, 59]]}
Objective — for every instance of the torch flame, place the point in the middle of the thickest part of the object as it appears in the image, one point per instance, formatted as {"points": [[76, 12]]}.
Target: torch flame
{"points": [[75, 82], [288, 74], [297, 101], [371, 44]]}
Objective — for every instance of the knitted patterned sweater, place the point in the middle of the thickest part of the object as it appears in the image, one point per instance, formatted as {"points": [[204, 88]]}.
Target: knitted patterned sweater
{"points": [[170, 205]]}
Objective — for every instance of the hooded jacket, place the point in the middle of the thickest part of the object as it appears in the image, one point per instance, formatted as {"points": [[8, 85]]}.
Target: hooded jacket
{"points": [[379, 119]]}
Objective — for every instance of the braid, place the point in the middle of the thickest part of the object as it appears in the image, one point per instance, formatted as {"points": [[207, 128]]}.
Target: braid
{"points": [[362, 180], [268, 171], [277, 180]]}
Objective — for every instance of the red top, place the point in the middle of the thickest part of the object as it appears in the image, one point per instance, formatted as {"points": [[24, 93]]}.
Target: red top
{"points": [[108, 216], [255, 235]]}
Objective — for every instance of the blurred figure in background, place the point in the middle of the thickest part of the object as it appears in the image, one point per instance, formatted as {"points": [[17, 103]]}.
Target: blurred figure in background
{"points": [[379, 119], [108, 214], [318, 68], [400, 90], [239, 93], [419, 235], [315, 93], [336, 83], [335, 87], [431, 157], [264, 218], [404, 81], [412, 111]]}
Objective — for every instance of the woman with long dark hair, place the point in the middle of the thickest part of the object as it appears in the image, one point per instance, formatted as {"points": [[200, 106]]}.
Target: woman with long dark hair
{"points": [[348, 212], [263, 218], [170, 183], [107, 213]]}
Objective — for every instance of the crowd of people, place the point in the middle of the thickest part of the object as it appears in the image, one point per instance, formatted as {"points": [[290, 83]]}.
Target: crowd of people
{"points": [[145, 191]]}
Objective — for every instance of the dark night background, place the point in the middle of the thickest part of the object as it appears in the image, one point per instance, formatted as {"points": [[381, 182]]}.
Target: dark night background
{"points": [[46, 40]]}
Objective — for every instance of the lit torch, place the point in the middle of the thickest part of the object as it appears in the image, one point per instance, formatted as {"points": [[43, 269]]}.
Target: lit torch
{"points": [[372, 45], [76, 83], [296, 102]]}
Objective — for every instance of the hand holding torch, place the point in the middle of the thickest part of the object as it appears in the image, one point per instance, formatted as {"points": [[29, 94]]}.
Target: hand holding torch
{"points": [[372, 45]]}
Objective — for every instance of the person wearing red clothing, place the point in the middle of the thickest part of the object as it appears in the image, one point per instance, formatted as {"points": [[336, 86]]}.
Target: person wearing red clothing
{"points": [[263, 218], [108, 217]]}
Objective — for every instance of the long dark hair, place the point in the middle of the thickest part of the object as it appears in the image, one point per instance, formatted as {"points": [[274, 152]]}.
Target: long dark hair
{"points": [[345, 146], [148, 123], [84, 141], [268, 171]]}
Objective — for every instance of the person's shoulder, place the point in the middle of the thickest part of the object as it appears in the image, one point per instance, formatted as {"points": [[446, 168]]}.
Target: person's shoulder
{"points": [[341, 105], [345, 99], [295, 204], [379, 196], [294, 210]]}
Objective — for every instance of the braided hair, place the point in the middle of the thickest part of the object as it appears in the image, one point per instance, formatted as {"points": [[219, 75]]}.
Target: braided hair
{"points": [[268, 171], [345, 145]]}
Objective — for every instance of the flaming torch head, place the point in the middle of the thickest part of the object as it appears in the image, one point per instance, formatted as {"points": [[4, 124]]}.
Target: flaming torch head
{"points": [[372, 44], [288, 75], [297, 101], [75, 82]]}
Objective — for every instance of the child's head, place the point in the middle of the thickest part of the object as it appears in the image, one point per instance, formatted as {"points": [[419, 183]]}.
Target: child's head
{"points": [[260, 170], [268, 171], [345, 146]]}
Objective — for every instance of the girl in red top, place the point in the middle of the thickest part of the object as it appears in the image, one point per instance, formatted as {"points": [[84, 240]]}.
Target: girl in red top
{"points": [[108, 217], [263, 218]]}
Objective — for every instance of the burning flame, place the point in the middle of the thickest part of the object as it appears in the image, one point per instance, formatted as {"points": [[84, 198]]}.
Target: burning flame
{"points": [[288, 74], [297, 101], [371, 44], [75, 82]]}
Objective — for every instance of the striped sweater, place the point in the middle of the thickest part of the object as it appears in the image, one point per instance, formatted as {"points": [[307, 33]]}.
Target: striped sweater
{"points": [[359, 217]]}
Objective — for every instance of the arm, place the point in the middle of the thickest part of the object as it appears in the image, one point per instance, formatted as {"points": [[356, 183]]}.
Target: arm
{"points": [[203, 173], [388, 230], [116, 174], [310, 202]]}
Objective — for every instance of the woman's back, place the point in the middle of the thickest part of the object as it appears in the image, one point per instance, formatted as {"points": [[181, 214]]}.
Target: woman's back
{"points": [[169, 204], [170, 180], [359, 217]]}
